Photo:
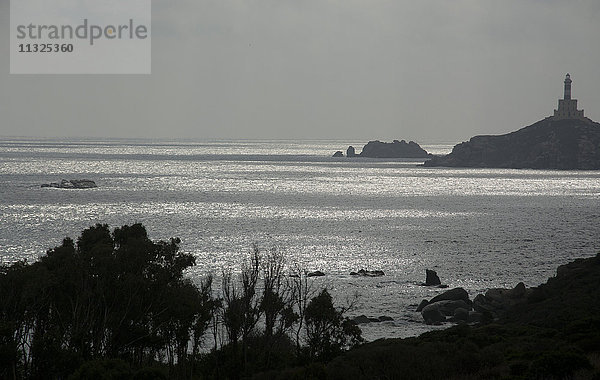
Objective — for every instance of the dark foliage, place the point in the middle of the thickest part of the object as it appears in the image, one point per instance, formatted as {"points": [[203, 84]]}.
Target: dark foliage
{"points": [[112, 295], [328, 332], [115, 305]]}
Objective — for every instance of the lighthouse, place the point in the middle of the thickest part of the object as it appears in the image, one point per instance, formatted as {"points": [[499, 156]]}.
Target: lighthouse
{"points": [[568, 87], [567, 107]]}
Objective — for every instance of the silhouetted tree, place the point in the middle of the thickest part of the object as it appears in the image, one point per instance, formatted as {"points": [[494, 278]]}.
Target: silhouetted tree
{"points": [[111, 295], [328, 332], [118, 303]]}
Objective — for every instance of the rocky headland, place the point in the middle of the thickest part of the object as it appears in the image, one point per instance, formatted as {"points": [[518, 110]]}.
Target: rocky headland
{"points": [[551, 143]]}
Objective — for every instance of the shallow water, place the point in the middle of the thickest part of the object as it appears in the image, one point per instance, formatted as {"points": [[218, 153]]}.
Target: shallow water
{"points": [[478, 228]]}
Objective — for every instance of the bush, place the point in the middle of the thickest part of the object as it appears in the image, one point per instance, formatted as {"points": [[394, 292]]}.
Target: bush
{"points": [[558, 365], [112, 296], [109, 369], [113, 303], [328, 332]]}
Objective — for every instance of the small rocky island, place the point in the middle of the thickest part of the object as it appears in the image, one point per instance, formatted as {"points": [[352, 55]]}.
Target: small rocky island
{"points": [[72, 184], [395, 149], [567, 141]]}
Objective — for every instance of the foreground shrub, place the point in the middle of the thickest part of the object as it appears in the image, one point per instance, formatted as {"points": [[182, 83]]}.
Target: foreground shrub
{"points": [[111, 295], [558, 365], [328, 332], [116, 305]]}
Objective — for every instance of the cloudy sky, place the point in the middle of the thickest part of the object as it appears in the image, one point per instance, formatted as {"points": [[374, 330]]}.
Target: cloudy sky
{"points": [[428, 70]]}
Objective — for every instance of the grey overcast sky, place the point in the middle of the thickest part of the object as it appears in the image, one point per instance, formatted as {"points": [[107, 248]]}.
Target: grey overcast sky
{"points": [[427, 70]]}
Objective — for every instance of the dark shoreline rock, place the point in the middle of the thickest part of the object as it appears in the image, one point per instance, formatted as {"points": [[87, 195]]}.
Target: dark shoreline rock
{"points": [[455, 303], [497, 301], [456, 294], [364, 319], [422, 305], [446, 304]]}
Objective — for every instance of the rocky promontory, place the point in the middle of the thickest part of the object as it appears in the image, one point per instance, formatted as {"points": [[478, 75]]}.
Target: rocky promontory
{"points": [[395, 149], [551, 143]]}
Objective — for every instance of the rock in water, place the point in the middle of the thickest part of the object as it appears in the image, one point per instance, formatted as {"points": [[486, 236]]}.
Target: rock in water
{"points": [[548, 144], [350, 152], [361, 319], [456, 294], [83, 183], [431, 278], [316, 273], [339, 153], [368, 273], [395, 149], [72, 184], [364, 319]]}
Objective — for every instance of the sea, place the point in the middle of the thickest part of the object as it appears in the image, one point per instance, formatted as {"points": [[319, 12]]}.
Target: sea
{"points": [[478, 228]]}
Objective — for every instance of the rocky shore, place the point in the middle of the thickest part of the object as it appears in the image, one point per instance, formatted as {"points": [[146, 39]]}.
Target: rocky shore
{"points": [[551, 331], [454, 305]]}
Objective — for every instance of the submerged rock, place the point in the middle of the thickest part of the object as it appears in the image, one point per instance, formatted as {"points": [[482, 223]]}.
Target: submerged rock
{"points": [[364, 319], [361, 319], [368, 273]]}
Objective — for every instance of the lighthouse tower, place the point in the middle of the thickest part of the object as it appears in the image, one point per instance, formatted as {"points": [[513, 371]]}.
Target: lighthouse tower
{"points": [[567, 107]]}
